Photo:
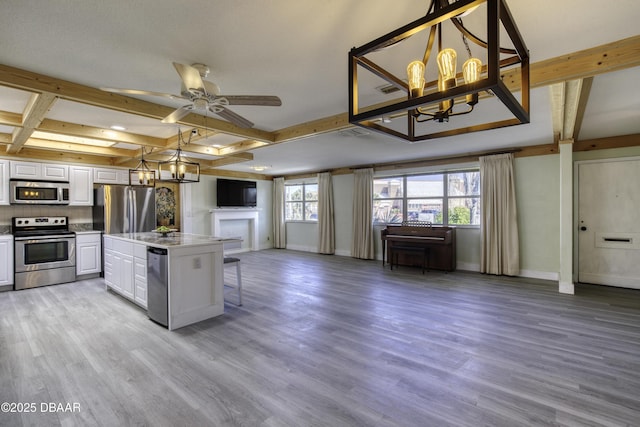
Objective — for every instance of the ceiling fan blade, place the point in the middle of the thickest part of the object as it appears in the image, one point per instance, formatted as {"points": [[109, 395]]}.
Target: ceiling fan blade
{"points": [[229, 115], [141, 92], [178, 114], [190, 77], [262, 100]]}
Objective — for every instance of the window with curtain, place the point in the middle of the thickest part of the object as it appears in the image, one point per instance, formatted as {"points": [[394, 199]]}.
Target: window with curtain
{"points": [[444, 198], [301, 202]]}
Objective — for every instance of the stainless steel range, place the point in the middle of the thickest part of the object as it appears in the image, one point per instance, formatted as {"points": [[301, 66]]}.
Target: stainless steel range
{"points": [[45, 251]]}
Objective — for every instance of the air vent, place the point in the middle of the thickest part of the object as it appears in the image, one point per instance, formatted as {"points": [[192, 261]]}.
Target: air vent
{"points": [[353, 132], [387, 89]]}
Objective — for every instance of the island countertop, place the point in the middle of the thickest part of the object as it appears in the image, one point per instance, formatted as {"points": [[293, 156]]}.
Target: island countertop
{"points": [[171, 240], [194, 274]]}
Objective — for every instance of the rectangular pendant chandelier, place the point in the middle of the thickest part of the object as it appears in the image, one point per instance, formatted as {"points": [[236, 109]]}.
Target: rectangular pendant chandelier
{"points": [[178, 169], [435, 92]]}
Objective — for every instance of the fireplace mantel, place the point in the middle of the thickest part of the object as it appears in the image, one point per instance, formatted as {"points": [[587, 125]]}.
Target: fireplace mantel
{"points": [[250, 214]]}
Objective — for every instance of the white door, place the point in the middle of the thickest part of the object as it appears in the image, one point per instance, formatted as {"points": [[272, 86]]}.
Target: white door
{"points": [[609, 222]]}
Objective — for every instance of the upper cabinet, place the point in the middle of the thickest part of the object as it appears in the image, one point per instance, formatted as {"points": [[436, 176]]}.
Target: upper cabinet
{"points": [[39, 171], [110, 176], [4, 182], [80, 186]]}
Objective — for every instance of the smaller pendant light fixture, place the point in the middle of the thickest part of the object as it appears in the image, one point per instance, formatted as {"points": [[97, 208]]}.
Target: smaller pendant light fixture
{"points": [[177, 168], [142, 175]]}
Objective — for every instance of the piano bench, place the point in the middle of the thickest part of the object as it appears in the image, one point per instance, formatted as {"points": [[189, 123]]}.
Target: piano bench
{"points": [[395, 251]]}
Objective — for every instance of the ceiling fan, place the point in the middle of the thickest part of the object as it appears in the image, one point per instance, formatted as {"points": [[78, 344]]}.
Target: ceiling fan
{"points": [[204, 95]]}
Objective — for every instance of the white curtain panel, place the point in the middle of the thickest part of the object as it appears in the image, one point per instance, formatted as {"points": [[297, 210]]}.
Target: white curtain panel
{"points": [[499, 230], [279, 226], [326, 223], [362, 239]]}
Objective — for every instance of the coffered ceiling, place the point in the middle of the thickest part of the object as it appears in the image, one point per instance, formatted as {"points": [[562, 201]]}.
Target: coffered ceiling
{"points": [[55, 55]]}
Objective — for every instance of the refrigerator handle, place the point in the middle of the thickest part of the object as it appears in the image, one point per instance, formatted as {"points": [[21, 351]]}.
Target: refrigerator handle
{"points": [[134, 211]]}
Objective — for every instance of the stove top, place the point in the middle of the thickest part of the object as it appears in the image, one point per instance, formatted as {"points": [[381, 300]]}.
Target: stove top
{"points": [[40, 226]]}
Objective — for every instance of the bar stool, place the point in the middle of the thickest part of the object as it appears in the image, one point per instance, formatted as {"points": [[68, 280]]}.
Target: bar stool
{"points": [[232, 260]]}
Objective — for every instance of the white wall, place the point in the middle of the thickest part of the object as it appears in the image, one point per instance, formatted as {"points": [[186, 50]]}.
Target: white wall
{"points": [[203, 198], [538, 204], [538, 214]]}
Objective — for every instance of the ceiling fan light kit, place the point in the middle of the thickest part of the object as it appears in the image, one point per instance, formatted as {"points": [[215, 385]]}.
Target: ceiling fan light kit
{"points": [[204, 96], [451, 93]]}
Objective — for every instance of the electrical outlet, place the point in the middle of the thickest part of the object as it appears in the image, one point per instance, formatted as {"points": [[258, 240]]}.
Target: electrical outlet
{"points": [[197, 263]]}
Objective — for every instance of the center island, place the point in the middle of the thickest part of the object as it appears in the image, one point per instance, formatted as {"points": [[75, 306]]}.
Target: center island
{"points": [[177, 277]]}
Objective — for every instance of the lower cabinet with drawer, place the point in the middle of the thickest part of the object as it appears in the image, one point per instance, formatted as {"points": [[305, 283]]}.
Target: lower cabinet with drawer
{"points": [[125, 269]]}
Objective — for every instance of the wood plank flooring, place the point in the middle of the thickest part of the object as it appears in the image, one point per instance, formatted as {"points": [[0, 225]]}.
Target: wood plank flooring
{"points": [[329, 341]]}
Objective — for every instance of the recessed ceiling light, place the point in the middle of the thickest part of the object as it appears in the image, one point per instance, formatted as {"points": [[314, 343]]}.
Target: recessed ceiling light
{"points": [[259, 168], [118, 127]]}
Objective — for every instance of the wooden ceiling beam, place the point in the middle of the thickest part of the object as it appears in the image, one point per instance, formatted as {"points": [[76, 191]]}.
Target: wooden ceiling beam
{"points": [[60, 157], [225, 161], [587, 63], [34, 112], [568, 103], [44, 144], [84, 131], [614, 56], [33, 82], [8, 118], [622, 141]]}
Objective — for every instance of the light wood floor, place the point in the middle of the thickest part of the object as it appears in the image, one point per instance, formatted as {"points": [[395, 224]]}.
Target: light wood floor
{"points": [[330, 341]]}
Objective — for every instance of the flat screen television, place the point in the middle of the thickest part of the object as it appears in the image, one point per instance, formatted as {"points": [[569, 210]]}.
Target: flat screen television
{"points": [[236, 193]]}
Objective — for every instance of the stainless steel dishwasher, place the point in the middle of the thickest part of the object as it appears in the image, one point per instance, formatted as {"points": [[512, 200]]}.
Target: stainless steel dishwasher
{"points": [[157, 285]]}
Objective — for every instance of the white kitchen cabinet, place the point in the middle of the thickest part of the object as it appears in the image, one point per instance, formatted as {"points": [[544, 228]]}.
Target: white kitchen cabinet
{"points": [[53, 172], [39, 171], [123, 272], [88, 253], [80, 186], [4, 182], [111, 176], [6, 260], [127, 284]]}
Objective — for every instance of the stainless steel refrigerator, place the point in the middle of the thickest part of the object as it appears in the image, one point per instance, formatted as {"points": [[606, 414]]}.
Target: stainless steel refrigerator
{"points": [[124, 209]]}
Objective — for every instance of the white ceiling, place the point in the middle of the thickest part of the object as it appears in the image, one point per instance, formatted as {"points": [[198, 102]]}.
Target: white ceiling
{"points": [[298, 51]]}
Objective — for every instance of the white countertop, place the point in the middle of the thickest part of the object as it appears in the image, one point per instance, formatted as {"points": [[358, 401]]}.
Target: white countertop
{"points": [[172, 239]]}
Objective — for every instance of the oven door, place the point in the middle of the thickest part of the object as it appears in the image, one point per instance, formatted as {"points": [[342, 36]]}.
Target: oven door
{"points": [[44, 253]]}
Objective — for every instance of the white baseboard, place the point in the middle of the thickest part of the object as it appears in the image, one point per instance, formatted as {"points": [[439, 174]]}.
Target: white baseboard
{"points": [[566, 288], [468, 266], [544, 275], [530, 274], [302, 248]]}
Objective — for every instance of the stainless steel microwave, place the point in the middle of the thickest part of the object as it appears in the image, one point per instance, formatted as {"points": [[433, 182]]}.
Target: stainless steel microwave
{"points": [[39, 193]]}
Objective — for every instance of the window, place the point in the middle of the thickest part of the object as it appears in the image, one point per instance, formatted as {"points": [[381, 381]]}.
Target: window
{"points": [[301, 202], [447, 198]]}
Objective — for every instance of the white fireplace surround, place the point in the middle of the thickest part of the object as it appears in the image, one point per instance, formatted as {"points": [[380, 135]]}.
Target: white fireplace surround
{"points": [[218, 215]]}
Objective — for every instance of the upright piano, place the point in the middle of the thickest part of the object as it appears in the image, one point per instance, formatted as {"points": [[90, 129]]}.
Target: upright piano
{"points": [[438, 243]]}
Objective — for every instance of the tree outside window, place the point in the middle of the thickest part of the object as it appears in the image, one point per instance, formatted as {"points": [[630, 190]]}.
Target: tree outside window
{"points": [[301, 202], [447, 198]]}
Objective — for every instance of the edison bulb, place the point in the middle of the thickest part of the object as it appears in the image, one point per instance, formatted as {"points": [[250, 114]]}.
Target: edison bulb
{"points": [[447, 59], [415, 76]]}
